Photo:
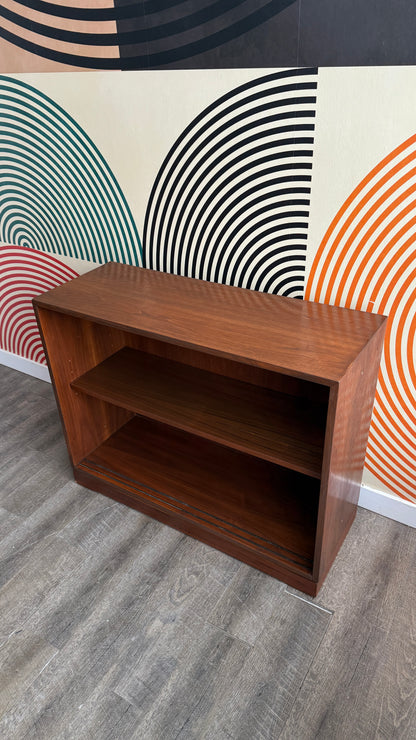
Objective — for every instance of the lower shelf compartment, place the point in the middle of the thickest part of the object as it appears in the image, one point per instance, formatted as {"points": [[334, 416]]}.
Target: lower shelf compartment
{"points": [[249, 502]]}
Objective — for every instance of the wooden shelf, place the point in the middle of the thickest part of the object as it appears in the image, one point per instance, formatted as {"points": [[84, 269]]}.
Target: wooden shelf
{"points": [[237, 417], [273, 426], [258, 504]]}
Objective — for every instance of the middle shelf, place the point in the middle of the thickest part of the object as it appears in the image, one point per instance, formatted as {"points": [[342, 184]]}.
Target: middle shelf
{"points": [[269, 424]]}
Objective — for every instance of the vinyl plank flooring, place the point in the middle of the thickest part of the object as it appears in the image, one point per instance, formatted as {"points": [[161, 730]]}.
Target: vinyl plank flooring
{"points": [[23, 656], [109, 588], [184, 671], [34, 490], [101, 523], [58, 694], [21, 416], [22, 595], [49, 518], [113, 625], [105, 646], [17, 465], [14, 432], [104, 715], [358, 589], [247, 605], [9, 523], [258, 702], [200, 577], [398, 605], [115, 620], [391, 663], [48, 431], [385, 681], [15, 395], [24, 385], [31, 420]]}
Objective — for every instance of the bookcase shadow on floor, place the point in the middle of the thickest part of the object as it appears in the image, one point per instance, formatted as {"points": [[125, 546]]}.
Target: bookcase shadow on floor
{"points": [[240, 418]]}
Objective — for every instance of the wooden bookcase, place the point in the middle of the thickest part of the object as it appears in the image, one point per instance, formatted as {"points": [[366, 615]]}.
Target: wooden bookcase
{"points": [[240, 418]]}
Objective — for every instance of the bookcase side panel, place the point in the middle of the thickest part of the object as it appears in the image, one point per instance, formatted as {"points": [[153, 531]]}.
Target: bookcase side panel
{"points": [[72, 347], [349, 416]]}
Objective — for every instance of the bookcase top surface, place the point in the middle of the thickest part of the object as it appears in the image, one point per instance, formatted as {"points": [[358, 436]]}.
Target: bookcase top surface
{"points": [[301, 338]]}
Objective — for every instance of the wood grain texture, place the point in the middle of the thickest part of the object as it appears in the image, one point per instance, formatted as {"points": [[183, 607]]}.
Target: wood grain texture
{"points": [[247, 605], [230, 368], [72, 348], [22, 655], [273, 426], [46, 516], [259, 504], [349, 417], [263, 694], [116, 626], [47, 479], [8, 523], [230, 322]]}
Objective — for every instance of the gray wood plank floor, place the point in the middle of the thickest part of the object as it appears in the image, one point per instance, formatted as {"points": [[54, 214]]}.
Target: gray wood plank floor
{"points": [[113, 626]]}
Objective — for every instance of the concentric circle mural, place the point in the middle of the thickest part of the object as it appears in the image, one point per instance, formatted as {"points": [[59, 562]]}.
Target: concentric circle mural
{"points": [[25, 274], [230, 203], [57, 193], [130, 35], [367, 260]]}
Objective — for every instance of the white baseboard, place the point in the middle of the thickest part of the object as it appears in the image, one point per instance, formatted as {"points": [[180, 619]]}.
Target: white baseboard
{"points": [[388, 505], [24, 365]]}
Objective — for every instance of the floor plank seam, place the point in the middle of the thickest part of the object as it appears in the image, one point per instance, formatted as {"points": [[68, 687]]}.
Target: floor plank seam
{"points": [[311, 603], [21, 569], [229, 634], [33, 543], [312, 660], [188, 719], [46, 664], [4, 639], [59, 532], [360, 656], [112, 732]]}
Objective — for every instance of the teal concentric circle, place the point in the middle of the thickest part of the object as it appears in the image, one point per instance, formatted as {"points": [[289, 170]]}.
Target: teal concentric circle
{"points": [[57, 193]]}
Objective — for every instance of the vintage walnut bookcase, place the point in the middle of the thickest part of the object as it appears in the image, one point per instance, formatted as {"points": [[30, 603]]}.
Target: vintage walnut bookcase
{"points": [[240, 418]]}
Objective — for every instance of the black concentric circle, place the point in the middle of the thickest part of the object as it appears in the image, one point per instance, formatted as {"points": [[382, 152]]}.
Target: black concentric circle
{"points": [[231, 201], [131, 35]]}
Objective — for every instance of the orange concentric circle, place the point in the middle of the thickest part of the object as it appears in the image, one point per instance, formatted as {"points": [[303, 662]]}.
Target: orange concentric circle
{"points": [[367, 260]]}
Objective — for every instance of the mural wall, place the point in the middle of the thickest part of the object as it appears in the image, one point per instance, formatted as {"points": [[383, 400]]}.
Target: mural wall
{"points": [[265, 144]]}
